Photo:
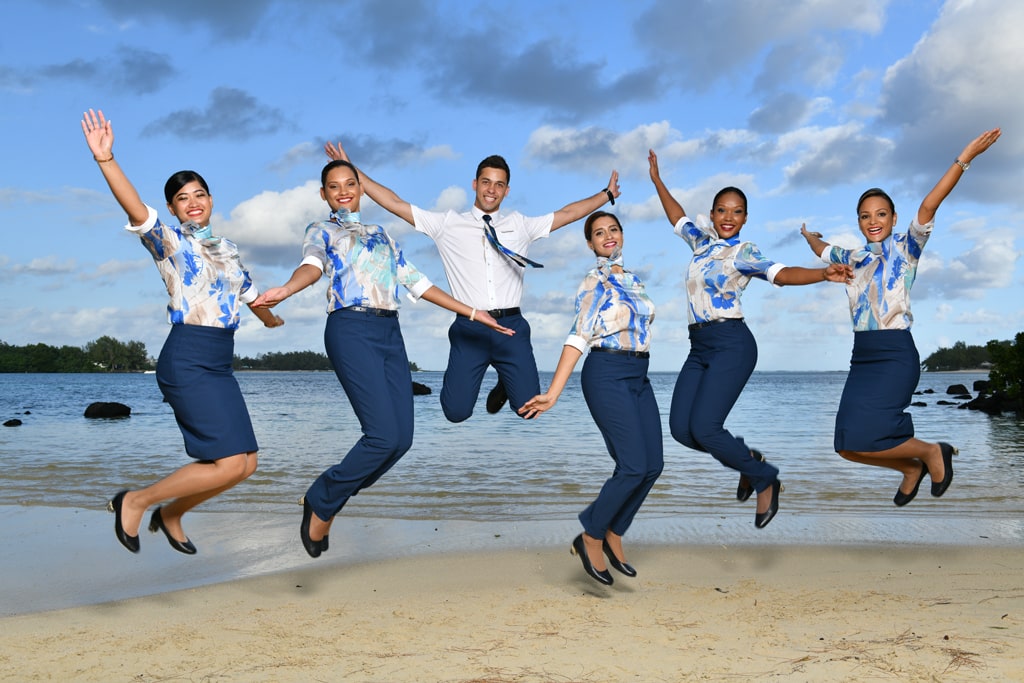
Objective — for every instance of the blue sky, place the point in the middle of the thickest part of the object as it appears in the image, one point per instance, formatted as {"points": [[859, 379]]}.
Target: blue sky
{"points": [[802, 103]]}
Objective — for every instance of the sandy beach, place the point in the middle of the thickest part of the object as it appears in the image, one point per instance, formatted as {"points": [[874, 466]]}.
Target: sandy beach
{"points": [[483, 607]]}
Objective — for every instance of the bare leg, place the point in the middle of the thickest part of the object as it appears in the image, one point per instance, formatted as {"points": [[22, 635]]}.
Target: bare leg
{"points": [[595, 552], [905, 458], [615, 543], [191, 482]]}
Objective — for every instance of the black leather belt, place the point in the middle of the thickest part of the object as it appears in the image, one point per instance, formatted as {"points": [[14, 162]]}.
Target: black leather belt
{"points": [[379, 312], [709, 323], [621, 352], [502, 312]]}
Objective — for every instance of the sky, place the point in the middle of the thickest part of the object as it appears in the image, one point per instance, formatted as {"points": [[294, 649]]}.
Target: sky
{"points": [[803, 104]]}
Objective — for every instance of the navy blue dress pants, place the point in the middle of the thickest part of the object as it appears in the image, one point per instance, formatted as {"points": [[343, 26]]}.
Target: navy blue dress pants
{"points": [[722, 358], [368, 355], [622, 404], [472, 348]]}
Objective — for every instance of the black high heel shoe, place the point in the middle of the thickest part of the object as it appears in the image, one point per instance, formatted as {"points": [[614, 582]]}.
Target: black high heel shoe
{"points": [[901, 499], [156, 523], [622, 567], [761, 519], [314, 548], [948, 451], [579, 548], [744, 490], [114, 505]]}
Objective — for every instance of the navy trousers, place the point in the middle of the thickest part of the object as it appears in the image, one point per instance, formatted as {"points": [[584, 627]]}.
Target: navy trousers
{"points": [[472, 348], [622, 404], [368, 355], [722, 358]]}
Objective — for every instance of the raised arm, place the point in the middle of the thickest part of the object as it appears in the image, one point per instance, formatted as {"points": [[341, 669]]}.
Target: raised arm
{"points": [[930, 204], [673, 209], [99, 135], [814, 240], [384, 196], [543, 402], [441, 298], [584, 207]]}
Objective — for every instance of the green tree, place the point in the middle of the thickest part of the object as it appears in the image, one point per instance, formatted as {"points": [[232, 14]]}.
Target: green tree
{"points": [[115, 356], [1007, 374], [959, 357]]}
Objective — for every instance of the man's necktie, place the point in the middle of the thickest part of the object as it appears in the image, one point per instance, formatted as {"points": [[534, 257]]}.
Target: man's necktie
{"points": [[492, 237]]}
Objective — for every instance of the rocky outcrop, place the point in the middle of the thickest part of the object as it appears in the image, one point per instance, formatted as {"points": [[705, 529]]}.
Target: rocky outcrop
{"points": [[107, 410]]}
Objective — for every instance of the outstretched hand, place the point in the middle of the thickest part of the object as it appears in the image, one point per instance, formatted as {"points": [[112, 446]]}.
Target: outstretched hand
{"points": [[99, 134], [652, 160], [979, 144], [807, 234], [484, 318], [537, 405], [613, 184], [271, 298], [335, 151], [837, 272]]}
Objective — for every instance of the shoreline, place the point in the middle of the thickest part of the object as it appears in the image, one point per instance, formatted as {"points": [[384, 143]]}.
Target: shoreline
{"points": [[82, 564]]}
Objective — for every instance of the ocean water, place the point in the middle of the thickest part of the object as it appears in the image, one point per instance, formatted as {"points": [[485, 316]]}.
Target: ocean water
{"points": [[491, 467]]}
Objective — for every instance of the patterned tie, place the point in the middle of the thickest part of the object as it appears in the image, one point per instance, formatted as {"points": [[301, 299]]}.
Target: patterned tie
{"points": [[492, 237]]}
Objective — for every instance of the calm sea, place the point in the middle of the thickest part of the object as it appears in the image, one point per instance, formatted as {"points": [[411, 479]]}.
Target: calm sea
{"points": [[492, 467]]}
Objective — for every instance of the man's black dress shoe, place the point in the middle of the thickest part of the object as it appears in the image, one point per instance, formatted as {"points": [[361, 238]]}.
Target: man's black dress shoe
{"points": [[761, 519], [901, 499], [580, 548], [156, 523], [623, 567], [312, 547], [130, 542], [948, 451], [497, 398]]}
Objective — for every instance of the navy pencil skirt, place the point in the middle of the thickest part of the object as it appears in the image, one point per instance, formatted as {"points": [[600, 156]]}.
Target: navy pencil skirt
{"points": [[884, 371], [195, 376]]}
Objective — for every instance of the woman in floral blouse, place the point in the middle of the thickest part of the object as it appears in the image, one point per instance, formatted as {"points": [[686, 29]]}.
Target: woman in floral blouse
{"points": [[872, 425], [207, 285], [723, 352], [613, 320], [363, 340]]}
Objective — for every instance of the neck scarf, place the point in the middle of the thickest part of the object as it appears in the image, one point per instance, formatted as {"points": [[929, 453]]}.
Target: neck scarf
{"points": [[204, 235], [605, 263]]}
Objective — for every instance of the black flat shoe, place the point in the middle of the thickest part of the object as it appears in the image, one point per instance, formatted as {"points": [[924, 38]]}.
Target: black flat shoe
{"points": [[324, 544], [621, 567], [761, 519], [314, 548], [156, 523], [744, 490], [496, 399], [901, 499], [579, 548], [938, 488], [130, 542]]}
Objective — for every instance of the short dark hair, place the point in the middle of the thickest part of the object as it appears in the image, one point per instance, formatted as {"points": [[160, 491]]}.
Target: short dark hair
{"points": [[180, 180], [494, 161], [729, 190], [335, 164], [588, 227], [876, 192]]}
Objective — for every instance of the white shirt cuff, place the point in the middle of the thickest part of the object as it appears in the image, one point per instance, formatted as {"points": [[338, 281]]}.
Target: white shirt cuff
{"points": [[417, 290], [147, 225], [577, 342]]}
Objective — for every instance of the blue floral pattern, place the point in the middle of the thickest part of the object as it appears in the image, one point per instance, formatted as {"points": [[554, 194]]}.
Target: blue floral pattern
{"points": [[205, 279], [719, 271], [883, 273], [613, 311], [364, 264]]}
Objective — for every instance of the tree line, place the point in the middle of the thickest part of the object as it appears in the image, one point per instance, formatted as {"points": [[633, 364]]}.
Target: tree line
{"points": [[107, 354]]}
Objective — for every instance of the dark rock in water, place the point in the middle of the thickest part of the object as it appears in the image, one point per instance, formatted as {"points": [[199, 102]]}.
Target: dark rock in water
{"points": [[981, 386], [13, 423], [420, 389], [996, 404], [928, 391], [963, 397], [28, 412], [919, 404], [957, 389], [101, 409], [947, 403]]}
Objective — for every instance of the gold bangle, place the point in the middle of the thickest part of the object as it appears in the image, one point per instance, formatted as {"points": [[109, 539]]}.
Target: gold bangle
{"points": [[103, 161], [472, 316]]}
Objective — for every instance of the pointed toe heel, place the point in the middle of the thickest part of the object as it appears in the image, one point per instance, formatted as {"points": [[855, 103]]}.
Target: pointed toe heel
{"points": [[580, 549], [744, 490], [156, 523], [313, 548], [114, 505], [761, 519], [621, 567], [901, 499], [948, 451]]}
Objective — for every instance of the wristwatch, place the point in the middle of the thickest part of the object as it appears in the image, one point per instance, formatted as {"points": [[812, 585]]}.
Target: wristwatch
{"points": [[962, 165]]}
